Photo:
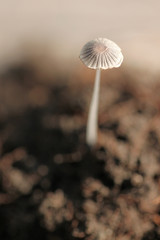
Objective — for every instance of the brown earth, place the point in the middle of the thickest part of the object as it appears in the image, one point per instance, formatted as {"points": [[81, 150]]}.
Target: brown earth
{"points": [[52, 186]]}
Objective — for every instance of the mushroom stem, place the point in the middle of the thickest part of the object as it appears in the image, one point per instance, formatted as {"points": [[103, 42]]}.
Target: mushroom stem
{"points": [[91, 133]]}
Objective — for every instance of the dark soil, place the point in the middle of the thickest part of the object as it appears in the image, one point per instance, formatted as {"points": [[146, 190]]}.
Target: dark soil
{"points": [[52, 185]]}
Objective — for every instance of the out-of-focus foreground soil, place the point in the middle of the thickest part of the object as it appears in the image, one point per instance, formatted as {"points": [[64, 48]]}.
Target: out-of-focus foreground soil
{"points": [[52, 186]]}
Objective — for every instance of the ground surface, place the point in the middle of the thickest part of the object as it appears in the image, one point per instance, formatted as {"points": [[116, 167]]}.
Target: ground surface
{"points": [[52, 186]]}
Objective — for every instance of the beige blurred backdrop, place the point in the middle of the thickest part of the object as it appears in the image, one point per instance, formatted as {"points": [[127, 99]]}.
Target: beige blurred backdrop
{"points": [[57, 29]]}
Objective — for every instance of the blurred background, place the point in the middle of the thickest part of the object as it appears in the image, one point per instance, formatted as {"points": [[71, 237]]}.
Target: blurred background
{"points": [[58, 29], [52, 185]]}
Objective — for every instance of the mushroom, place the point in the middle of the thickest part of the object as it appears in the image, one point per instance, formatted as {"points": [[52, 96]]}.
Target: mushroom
{"points": [[98, 54]]}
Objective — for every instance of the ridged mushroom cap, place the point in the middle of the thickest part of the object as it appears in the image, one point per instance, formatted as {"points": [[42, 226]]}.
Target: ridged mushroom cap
{"points": [[101, 53]]}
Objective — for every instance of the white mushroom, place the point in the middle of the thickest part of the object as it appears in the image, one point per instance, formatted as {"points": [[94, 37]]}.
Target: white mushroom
{"points": [[98, 54]]}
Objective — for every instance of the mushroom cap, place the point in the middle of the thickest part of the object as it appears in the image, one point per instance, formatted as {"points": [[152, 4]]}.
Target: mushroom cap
{"points": [[101, 53]]}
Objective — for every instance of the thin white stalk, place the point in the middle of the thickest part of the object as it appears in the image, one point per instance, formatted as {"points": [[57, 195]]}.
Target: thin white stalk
{"points": [[91, 133]]}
